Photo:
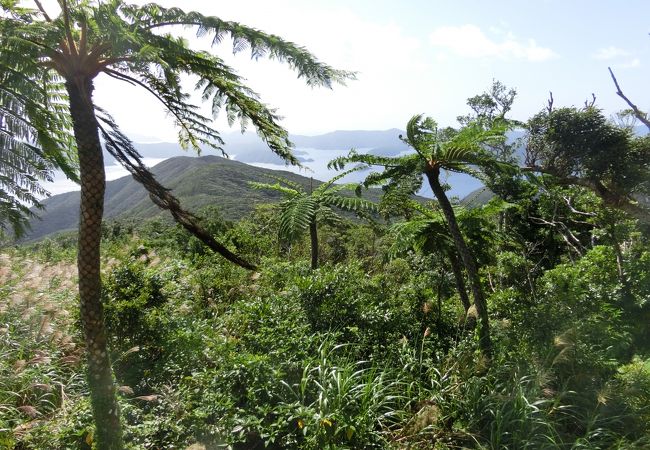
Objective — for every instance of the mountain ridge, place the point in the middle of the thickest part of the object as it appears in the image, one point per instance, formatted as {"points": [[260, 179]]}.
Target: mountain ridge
{"points": [[196, 181], [250, 148]]}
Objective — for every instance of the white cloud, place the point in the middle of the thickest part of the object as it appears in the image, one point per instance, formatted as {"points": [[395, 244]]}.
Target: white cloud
{"points": [[610, 52], [625, 58], [469, 41], [636, 62], [390, 62]]}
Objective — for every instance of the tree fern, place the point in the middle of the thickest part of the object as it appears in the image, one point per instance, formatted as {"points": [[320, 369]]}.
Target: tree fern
{"points": [[302, 210], [437, 149], [48, 65]]}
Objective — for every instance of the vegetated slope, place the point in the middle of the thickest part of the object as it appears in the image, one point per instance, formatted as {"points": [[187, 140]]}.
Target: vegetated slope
{"points": [[197, 182]]}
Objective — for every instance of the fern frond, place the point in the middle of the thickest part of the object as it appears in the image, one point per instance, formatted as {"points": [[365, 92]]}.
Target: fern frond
{"points": [[35, 129], [354, 204], [296, 216], [286, 182], [329, 185], [288, 192], [325, 215], [260, 44]]}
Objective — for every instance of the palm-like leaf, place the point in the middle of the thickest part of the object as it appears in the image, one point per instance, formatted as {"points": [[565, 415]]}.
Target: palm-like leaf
{"points": [[326, 215], [128, 43], [300, 208], [414, 233], [453, 150], [419, 234], [297, 214], [34, 139], [146, 52], [288, 192], [354, 204], [426, 231]]}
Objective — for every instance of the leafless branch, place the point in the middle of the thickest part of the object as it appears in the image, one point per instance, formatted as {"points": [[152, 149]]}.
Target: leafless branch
{"points": [[590, 104], [567, 200], [42, 10], [550, 102], [643, 117], [571, 240]]}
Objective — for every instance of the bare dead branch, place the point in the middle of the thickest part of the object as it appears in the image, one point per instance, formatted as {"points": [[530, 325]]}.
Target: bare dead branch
{"points": [[549, 108], [643, 117], [42, 10], [571, 240], [567, 200]]}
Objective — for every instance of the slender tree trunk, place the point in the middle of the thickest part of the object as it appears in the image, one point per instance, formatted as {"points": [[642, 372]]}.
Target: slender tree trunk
{"points": [[106, 413], [441, 278], [619, 258], [629, 304], [457, 270], [469, 262], [313, 235]]}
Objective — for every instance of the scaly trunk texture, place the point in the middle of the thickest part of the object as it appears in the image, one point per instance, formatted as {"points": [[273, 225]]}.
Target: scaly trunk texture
{"points": [[469, 262], [106, 413], [457, 270], [313, 234]]}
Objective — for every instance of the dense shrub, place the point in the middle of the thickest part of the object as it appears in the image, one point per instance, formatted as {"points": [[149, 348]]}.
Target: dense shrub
{"points": [[368, 351]]}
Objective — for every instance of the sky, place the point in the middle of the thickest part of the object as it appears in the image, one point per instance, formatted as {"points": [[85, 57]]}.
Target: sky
{"points": [[418, 56]]}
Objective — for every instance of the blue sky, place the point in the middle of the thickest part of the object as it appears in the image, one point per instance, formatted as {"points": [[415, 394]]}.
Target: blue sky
{"points": [[418, 56], [424, 57]]}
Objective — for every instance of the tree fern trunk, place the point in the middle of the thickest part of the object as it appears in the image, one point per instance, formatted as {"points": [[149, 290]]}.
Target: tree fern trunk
{"points": [[467, 258], [108, 435], [313, 235]]}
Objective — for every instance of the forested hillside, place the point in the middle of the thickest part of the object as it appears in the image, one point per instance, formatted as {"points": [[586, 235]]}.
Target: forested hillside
{"points": [[198, 182]]}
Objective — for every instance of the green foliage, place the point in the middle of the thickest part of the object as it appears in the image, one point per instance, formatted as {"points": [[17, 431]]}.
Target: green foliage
{"points": [[370, 351], [131, 293], [359, 354], [345, 301], [345, 405], [52, 250], [426, 231], [628, 395], [581, 147], [301, 208], [583, 142]]}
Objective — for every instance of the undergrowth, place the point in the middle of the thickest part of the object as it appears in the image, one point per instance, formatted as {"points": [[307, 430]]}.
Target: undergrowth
{"points": [[361, 354]]}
